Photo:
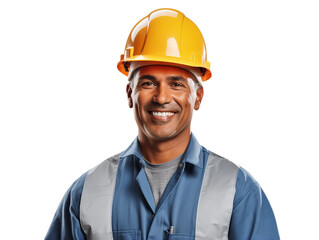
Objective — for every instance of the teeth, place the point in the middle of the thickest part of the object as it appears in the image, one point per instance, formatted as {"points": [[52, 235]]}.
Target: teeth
{"points": [[162, 114]]}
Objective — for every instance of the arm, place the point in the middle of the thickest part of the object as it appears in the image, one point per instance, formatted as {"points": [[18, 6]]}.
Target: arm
{"points": [[252, 217], [66, 222]]}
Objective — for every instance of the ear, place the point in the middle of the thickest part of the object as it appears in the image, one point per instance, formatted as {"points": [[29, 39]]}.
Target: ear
{"points": [[199, 97], [129, 95]]}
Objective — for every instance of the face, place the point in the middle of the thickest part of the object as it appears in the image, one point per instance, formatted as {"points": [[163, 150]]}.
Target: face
{"points": [[163, 99]]}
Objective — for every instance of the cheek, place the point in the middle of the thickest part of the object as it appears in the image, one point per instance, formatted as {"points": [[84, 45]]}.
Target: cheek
{"points": [[185, 101], [136, 105], [140, 100]]}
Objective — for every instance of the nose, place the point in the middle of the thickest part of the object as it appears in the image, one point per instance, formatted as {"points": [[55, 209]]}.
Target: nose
{"points": [[162, 95]]}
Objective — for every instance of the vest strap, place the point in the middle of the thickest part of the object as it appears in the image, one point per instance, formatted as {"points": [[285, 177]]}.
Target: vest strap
{"points": [[97, 200], [215, 203]]}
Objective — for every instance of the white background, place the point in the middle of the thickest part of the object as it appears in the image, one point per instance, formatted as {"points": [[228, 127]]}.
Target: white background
{"points": [[64, 110]]}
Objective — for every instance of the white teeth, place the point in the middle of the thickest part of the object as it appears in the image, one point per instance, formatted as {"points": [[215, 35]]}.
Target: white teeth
{"points": [[162, 114]]}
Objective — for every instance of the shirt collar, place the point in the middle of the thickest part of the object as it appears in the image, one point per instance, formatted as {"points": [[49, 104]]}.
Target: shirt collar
{"points": [[191, 154]]}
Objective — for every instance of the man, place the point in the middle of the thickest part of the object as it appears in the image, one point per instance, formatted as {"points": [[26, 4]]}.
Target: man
{"points": [[165, 185]]}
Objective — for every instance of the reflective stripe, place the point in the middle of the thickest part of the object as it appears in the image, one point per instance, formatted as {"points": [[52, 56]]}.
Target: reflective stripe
{"points": [[215, 203], [97, 199]]}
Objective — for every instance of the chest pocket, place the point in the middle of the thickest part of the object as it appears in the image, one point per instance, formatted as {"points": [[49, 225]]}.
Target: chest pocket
{"points": [[127, 235]]}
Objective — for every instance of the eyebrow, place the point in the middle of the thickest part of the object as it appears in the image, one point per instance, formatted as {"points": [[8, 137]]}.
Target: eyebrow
{"points": [[170, 78], [148, 77], [176, 78]]}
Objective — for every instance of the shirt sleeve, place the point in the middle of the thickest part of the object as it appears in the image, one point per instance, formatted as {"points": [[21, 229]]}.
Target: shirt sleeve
{"points": [[252, 217], [66, 221]]}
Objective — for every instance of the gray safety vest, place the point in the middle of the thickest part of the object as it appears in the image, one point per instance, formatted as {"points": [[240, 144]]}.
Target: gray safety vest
{"points": [[214, 210]]}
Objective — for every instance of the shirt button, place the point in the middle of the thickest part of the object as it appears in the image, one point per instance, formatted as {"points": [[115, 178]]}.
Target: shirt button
{"points": [[153, 215], [181, 165]]}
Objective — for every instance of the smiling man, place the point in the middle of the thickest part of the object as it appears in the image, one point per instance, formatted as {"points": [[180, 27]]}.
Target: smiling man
{"points": [[165, 185]]}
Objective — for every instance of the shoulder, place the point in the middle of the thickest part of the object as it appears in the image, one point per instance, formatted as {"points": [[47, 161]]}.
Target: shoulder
{"points": [[215, 159], [65, 224], [73, 196], [66, 221], [222, 167], [252, 216], [74, 193], [244, 183], [105, 167], [246, 186]]}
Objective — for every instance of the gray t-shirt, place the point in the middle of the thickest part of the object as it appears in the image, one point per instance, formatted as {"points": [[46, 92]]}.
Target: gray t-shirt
{"points": [[159, 175]]}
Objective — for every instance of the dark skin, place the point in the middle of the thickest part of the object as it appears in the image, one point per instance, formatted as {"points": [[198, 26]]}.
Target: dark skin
{"points": [[163, 99]]}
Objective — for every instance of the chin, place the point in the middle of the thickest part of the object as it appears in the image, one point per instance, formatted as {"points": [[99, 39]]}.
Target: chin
{"points": [[162, 135]]}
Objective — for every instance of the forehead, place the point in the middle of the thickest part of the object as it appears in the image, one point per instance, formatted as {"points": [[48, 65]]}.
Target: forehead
{"points": [[159, 71]]}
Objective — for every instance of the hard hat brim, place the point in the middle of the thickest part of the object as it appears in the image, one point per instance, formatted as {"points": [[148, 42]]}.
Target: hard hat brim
{"points": [[124, 64]]}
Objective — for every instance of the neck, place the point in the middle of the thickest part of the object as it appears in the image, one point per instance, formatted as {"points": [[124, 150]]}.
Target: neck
{"points": [[161, 151]]}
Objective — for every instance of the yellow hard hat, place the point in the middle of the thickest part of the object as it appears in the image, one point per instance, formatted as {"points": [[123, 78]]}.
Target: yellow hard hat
{"points": [[166, 35]]}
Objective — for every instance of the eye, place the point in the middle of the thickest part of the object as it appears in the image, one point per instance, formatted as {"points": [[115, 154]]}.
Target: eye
{"points": [[177, 84], [147, 84]]}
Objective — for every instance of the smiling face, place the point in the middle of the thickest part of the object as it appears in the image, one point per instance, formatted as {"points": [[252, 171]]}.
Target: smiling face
{"points": [[163, 99]]}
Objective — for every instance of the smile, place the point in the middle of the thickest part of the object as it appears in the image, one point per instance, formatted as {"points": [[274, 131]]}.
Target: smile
{"points": [[162, 114]]}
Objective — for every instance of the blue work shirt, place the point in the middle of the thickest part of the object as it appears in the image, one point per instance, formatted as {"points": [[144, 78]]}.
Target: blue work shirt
{"points": [[135, 215]]}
